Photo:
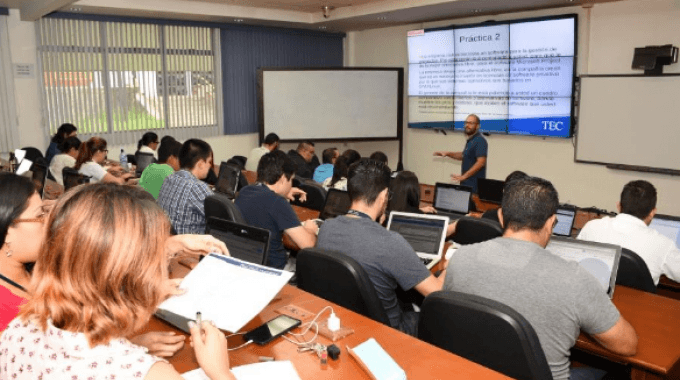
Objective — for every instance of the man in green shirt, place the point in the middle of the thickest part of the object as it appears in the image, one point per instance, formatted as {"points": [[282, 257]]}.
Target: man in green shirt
{"points": [[168, 162]]}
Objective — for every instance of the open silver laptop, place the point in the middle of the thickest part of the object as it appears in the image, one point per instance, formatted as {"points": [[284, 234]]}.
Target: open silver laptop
{"points": [[452, 200], [600, 260], [426, 233]]}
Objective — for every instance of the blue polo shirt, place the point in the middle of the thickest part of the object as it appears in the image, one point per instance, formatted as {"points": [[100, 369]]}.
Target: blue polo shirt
{"points": [[263, 208], [475, 147]]}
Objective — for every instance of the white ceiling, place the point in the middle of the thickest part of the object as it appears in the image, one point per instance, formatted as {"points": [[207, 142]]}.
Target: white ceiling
{"points": [[346, 15]]}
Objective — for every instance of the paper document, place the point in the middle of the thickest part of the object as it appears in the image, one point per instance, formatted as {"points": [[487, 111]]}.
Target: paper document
{"points": [[228, 291], [283, 370], [24, 167]]}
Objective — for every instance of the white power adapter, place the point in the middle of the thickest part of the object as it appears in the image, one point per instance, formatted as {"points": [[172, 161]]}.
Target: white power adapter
{"points": [[333, 322]]}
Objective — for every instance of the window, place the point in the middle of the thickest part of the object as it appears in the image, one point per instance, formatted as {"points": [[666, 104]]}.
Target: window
{"points": [[8, 137], [119, 79]]}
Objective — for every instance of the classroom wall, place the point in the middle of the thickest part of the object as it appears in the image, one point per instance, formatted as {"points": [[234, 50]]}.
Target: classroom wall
{"points": [[607, 35]]}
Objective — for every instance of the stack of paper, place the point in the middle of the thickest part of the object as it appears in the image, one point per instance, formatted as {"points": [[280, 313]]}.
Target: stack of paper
{"points": [[227, 291], [283, 370]]}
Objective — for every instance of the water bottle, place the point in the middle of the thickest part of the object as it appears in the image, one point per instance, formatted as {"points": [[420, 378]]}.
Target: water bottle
{"points": [[123, 159]]}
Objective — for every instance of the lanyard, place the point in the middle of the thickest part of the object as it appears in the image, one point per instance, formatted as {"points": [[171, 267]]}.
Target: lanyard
{"points": [[7, 280], [359, 214]]}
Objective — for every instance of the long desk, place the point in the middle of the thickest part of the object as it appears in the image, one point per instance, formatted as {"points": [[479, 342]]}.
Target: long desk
{"points": [[420, 360]]}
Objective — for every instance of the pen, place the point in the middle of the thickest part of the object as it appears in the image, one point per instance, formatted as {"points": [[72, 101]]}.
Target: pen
{"points": [[199, 321]]}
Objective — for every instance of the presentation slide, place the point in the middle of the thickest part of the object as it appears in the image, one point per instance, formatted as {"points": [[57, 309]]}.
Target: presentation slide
{"points": [[517, 77]]}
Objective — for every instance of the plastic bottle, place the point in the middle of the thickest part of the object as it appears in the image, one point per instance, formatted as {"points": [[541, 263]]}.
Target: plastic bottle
{"points": [[123, 159]]}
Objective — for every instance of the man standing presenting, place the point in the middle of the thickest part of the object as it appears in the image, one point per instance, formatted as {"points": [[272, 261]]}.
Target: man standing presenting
{"points": [[558, 297], [473, 156]]}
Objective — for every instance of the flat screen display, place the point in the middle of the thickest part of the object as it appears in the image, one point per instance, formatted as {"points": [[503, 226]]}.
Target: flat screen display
{"points": [[517, 76]]}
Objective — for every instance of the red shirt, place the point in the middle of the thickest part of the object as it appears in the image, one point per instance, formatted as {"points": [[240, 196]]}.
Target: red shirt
{"points": [[9, 306]]}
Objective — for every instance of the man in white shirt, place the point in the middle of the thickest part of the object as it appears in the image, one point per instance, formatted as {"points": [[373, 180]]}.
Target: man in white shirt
{"points": [[270, 144], [630, 229]]}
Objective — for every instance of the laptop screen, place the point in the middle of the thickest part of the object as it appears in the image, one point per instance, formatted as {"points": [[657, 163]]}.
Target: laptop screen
{"points": [[337, 203], [244, 242], [668, 226], [490, 190], [227, 181], [425, 233], [600, 260], [565, 222], [452, 198], [143, 160]]}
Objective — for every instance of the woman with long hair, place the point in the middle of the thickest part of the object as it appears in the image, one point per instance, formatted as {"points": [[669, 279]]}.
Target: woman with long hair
{"points": [[65, 131], [100, 275], [91, 156], [148, 143]]}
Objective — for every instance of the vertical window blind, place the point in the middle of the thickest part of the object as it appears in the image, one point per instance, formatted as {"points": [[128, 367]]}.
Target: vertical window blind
{"points": [[8, 117], [118, 79]]}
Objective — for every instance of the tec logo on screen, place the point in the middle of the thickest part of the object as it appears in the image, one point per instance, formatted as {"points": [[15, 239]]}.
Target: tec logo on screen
{"points": [[553, 126]]}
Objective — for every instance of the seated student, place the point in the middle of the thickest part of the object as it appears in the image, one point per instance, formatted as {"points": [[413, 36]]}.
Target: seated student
{"points": [[405, 197], [326, 170], [630, 229], [379, 156], [265, 205], [148, 144], [270, 143], [66, 159], [183, 193], [342, 164], [558, 298], [65, 131], [303, 157], [168, 162], [495, 213], [91, 155], [91, 291], [386, 256]]}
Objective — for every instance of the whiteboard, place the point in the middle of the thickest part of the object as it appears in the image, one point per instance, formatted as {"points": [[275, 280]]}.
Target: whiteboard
{"points": [[331, 104], [630, 120]]}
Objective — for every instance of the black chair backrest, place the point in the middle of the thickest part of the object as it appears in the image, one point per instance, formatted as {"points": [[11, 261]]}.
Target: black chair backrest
{"points": [[633, 272], [39, 170], [316, 196], [339, 278], [32, 154], [484, 331], [220, 206], [132, 159], [470, 230], [72, 178], [240, 161], [142, 160]]}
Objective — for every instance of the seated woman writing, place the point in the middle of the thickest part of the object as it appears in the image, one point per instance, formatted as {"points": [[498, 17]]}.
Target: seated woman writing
{"points": [[100, 274], [91, 156]]}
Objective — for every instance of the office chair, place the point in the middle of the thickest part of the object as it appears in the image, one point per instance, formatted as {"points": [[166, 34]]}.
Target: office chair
{"points": [[240, 162], [633, 272], [72, 178], [470, 230], [339, 278], [131, 159], [220, 206], [33, 154], [484, 331], [316, 196], [39, 170]]}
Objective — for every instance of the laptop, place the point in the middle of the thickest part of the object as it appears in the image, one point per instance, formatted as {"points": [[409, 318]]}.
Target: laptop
{"points": [[426, 233], [490, 190], [337, 203], [452, 200], [246, 243], [668, 226], [143, 160], [228, 179], [565, 221], [600, 260]]}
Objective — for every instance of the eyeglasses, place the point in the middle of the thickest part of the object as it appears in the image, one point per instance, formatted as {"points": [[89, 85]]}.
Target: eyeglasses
{"points": [[105, 150], [39, 219]]}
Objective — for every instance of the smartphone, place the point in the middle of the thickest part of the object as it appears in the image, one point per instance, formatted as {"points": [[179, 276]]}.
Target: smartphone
{"points": [[272, 329]]}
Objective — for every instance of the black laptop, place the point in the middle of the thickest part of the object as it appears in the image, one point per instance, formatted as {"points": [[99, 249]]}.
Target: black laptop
{"points": [[490, 190], [143, 160], [337, 203], [227, 180], [244, 242], [452, 200]]}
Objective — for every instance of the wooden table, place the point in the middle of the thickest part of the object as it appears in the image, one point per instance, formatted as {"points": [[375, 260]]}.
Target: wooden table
{"points": [[656, 320], [420, 360]]}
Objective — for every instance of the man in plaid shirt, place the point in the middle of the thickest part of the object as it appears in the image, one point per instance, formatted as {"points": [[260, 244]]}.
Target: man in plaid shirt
{"points": [[183, 193]]}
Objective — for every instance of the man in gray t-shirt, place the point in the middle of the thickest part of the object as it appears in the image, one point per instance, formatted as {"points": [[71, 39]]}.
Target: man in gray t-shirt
{"points": [[557, 297], [386, 257]]}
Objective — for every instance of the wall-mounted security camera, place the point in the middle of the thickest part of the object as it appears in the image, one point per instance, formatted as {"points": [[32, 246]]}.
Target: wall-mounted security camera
{"points": [[327, 10]]}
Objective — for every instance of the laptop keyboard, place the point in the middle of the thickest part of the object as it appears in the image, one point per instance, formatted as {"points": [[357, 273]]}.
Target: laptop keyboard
{"points": [[426, 261]]}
